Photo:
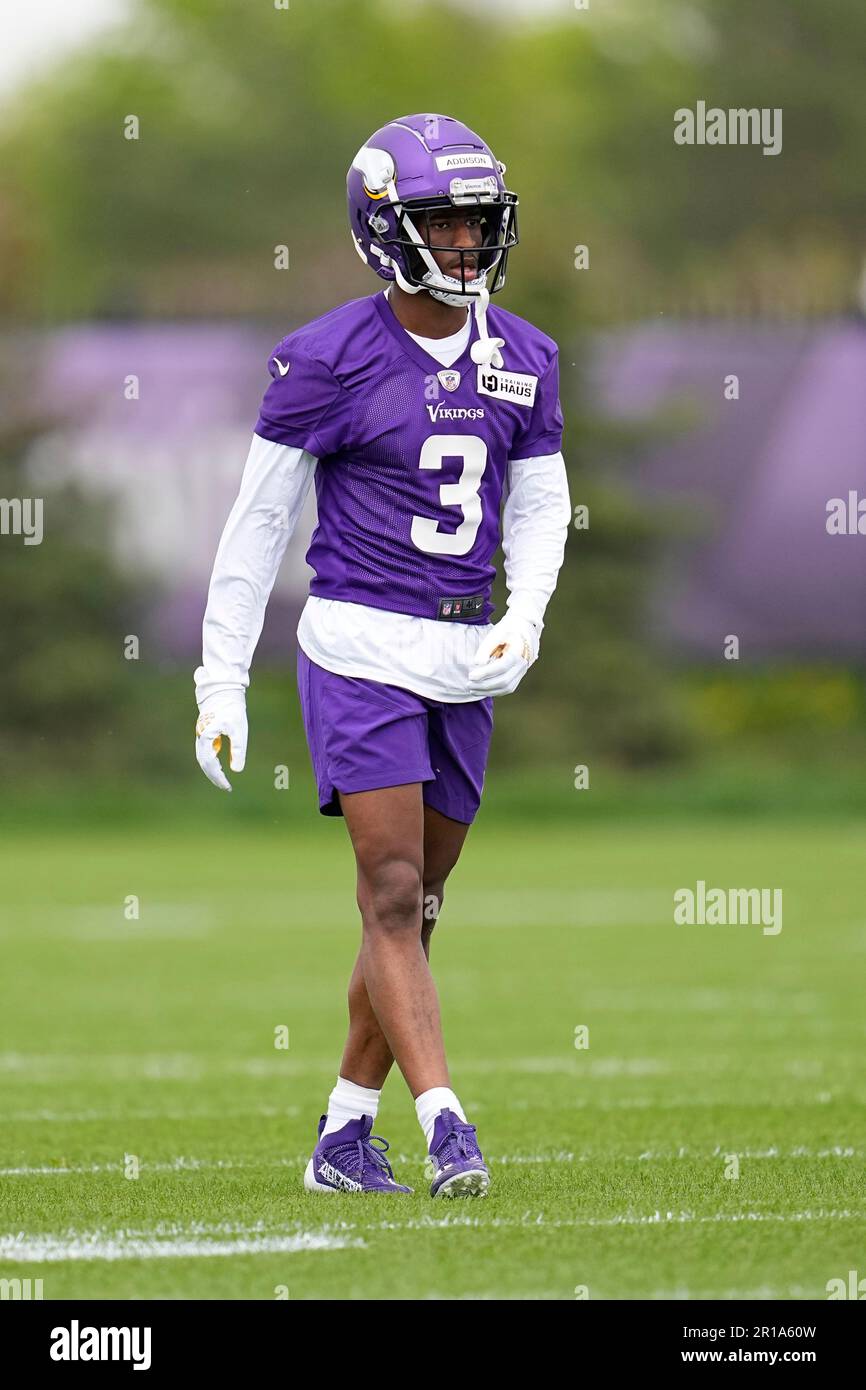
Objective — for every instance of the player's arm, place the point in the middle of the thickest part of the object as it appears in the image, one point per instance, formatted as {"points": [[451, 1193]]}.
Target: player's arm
{"points": [[535, 522], [274, 487]]}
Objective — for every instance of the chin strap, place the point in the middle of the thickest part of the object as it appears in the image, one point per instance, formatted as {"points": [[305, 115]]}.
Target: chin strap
{"points": [[485, 352]]}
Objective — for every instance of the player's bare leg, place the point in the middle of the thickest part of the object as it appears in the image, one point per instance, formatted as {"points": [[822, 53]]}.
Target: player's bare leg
{"points": [[367, 1058], [387, 831]]}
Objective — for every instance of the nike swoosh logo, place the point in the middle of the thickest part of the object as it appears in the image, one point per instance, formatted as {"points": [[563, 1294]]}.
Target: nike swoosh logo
{"points": [[283, 369]]}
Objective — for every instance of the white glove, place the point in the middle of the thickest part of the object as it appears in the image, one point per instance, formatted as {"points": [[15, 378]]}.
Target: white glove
{"points": [[504, 656], [222, 715]]}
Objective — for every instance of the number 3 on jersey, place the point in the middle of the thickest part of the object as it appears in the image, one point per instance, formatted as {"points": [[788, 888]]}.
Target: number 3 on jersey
{"points": [[425, 532]]}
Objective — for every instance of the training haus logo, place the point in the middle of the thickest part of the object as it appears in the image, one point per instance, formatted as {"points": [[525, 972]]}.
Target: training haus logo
{"points": [[76, 1343], [511, 386], [739, 125]]}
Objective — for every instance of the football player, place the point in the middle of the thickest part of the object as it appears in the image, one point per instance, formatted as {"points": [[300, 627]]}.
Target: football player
{"points": [[418, 411]]}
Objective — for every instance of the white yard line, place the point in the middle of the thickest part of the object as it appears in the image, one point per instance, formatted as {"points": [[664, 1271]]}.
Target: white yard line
{"points": [[189, 1066], [64, 1117], [658, 1218], [705, 1000], [48, 1068], [487, 910], [106, 922], [762, 1294], [181, 1164], [661, 1295], [184, 1163], [97, 1245], [201, 1241]]}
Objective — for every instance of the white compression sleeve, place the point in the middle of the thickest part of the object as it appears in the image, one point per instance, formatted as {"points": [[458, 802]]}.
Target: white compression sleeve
{"points": [[273, 490], [535, 523]]}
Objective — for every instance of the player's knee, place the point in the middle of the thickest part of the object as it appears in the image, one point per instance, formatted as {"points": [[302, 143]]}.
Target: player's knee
{"points": [[390, 896]]}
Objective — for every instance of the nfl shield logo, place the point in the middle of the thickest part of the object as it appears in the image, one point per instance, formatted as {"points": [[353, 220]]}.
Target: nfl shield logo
{"points": [[449, 380]]}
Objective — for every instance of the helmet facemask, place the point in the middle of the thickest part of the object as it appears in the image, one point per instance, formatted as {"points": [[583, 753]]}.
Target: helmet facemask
{"points": [[413, 235]]}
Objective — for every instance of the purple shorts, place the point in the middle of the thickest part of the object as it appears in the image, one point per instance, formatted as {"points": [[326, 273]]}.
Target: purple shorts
{"points": [[364, 734]]}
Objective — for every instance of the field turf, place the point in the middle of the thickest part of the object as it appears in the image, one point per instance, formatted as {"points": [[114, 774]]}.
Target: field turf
{"points": [[147, 1047]]}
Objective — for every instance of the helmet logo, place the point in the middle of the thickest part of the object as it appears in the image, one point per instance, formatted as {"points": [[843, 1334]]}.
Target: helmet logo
{"points": [[377, 168]]}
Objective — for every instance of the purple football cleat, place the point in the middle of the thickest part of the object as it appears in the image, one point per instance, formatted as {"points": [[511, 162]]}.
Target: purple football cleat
{"points": [[349, 1161], [455, 1163]]}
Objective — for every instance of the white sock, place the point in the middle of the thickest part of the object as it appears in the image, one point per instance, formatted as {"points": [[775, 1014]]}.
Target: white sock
{"points": [[428, 1105], [349, 1102]]}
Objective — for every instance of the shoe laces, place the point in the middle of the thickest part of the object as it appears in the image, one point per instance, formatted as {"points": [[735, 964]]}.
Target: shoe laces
{"points": [[456, 1145], [368, 1152]]}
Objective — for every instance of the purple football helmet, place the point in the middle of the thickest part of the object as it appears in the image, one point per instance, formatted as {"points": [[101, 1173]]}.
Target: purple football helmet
{"points": [[405, 171]]}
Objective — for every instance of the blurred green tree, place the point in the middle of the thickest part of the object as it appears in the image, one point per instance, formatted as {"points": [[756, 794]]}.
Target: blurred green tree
{"points": [[248, 118], [66, 609]]}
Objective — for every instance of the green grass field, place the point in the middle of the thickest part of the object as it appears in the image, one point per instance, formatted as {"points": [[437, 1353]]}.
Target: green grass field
{"points": [[155, 1039]]}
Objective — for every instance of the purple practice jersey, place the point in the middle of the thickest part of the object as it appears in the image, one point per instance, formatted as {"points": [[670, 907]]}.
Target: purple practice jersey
{"points": [[413, 455]]}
